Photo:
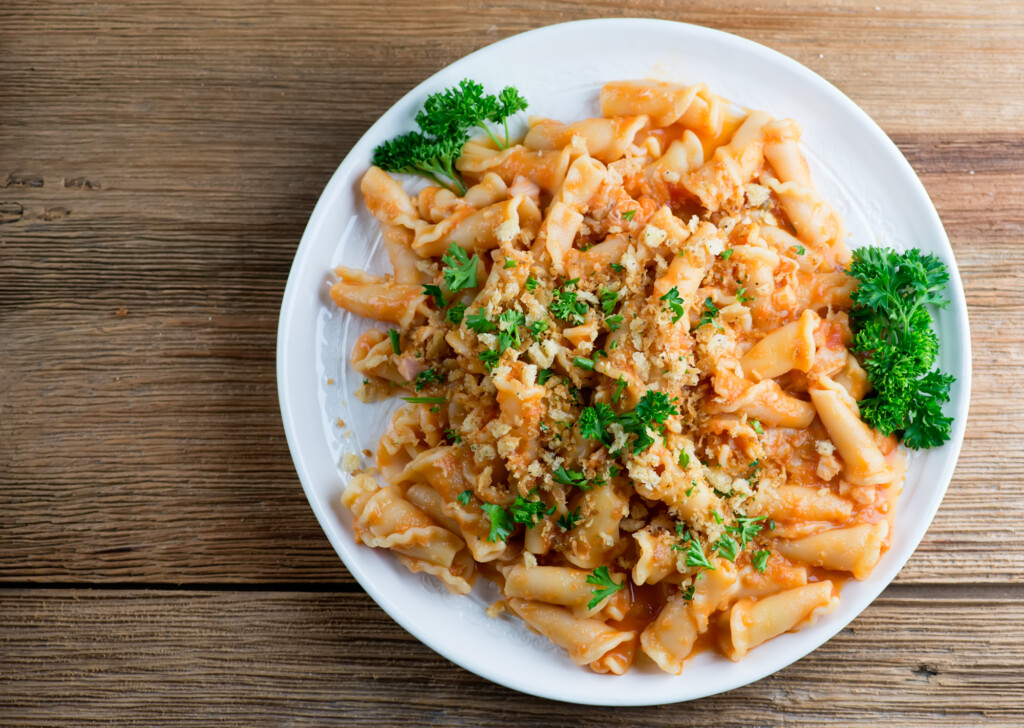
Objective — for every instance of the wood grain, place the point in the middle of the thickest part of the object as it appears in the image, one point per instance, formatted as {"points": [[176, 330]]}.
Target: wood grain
{"points": [[298, 659], [158, 162]]}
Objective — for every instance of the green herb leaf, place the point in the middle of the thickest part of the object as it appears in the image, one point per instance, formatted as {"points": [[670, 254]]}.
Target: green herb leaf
{"points": [[464, 497], [456, 312], [574, 478], [436, 293], [676, 303], [502, 524], [760, 560], [425, 400], [479, 323], [427, 376], [727, 547], [608, 300], [710, 315], [628, 215], [568, 521], [695, 556], [746, 528], [606, 586], [566, 307], [416, 153], [584, 363], [894, 333], [460, 272], [396, 345], [529, 512]]}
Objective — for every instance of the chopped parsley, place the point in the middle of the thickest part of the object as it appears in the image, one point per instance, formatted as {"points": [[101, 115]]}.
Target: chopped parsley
{"points": [[574, 478], [436, 293], [614, 324], [460, 272], [584, 363], [725, 254], [740, 295], [800, 250], [687, 593], [727, 548], [537, 328], [452, 435], [543, 376], [651, 411], [594, 422], [608, 300], [619, 387], [618, 267], [529, 512], [502, 524], [760, 560], [695, 556], [710, 315], [628, 215], [605, 586], [675, 303], [464, 497], [396, 344], [757, 427], [489, 358], [509, 323], [456, 312], [565, 305], [568, 521], [746, 528], [479, 323], [684, 459], [509, 263], [425, 400], [427, 376], [531, 284]]}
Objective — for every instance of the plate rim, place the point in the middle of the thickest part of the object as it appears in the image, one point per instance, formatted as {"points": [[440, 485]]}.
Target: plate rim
{"points": [[438, 642]]}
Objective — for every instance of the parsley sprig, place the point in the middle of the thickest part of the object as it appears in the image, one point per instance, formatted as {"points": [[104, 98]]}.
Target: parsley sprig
{"points": [[451, 113], [895, 335], [445, 122]]}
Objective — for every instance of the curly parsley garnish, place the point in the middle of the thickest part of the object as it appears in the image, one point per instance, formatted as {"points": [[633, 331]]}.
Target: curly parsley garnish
{"points": [[895, 336]]}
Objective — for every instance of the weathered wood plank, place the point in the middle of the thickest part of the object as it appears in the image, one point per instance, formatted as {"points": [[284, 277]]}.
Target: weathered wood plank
{"points": [[259, 658]]}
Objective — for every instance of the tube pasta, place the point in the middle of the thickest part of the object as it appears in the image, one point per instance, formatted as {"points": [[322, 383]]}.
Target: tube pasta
{"points": [[586, 640], [864, 463], [752, 622], [855, 549], [638, 414]]}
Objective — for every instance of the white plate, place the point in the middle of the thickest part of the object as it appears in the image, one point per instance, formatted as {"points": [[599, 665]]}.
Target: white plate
{"points": [[560, 69]]}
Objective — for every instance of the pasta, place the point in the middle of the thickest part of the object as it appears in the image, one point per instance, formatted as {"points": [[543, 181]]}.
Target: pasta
{"points": [[631, 400]]}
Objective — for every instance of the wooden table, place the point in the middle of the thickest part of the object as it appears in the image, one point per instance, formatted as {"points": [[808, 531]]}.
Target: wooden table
{"points": [[159, 563]]}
